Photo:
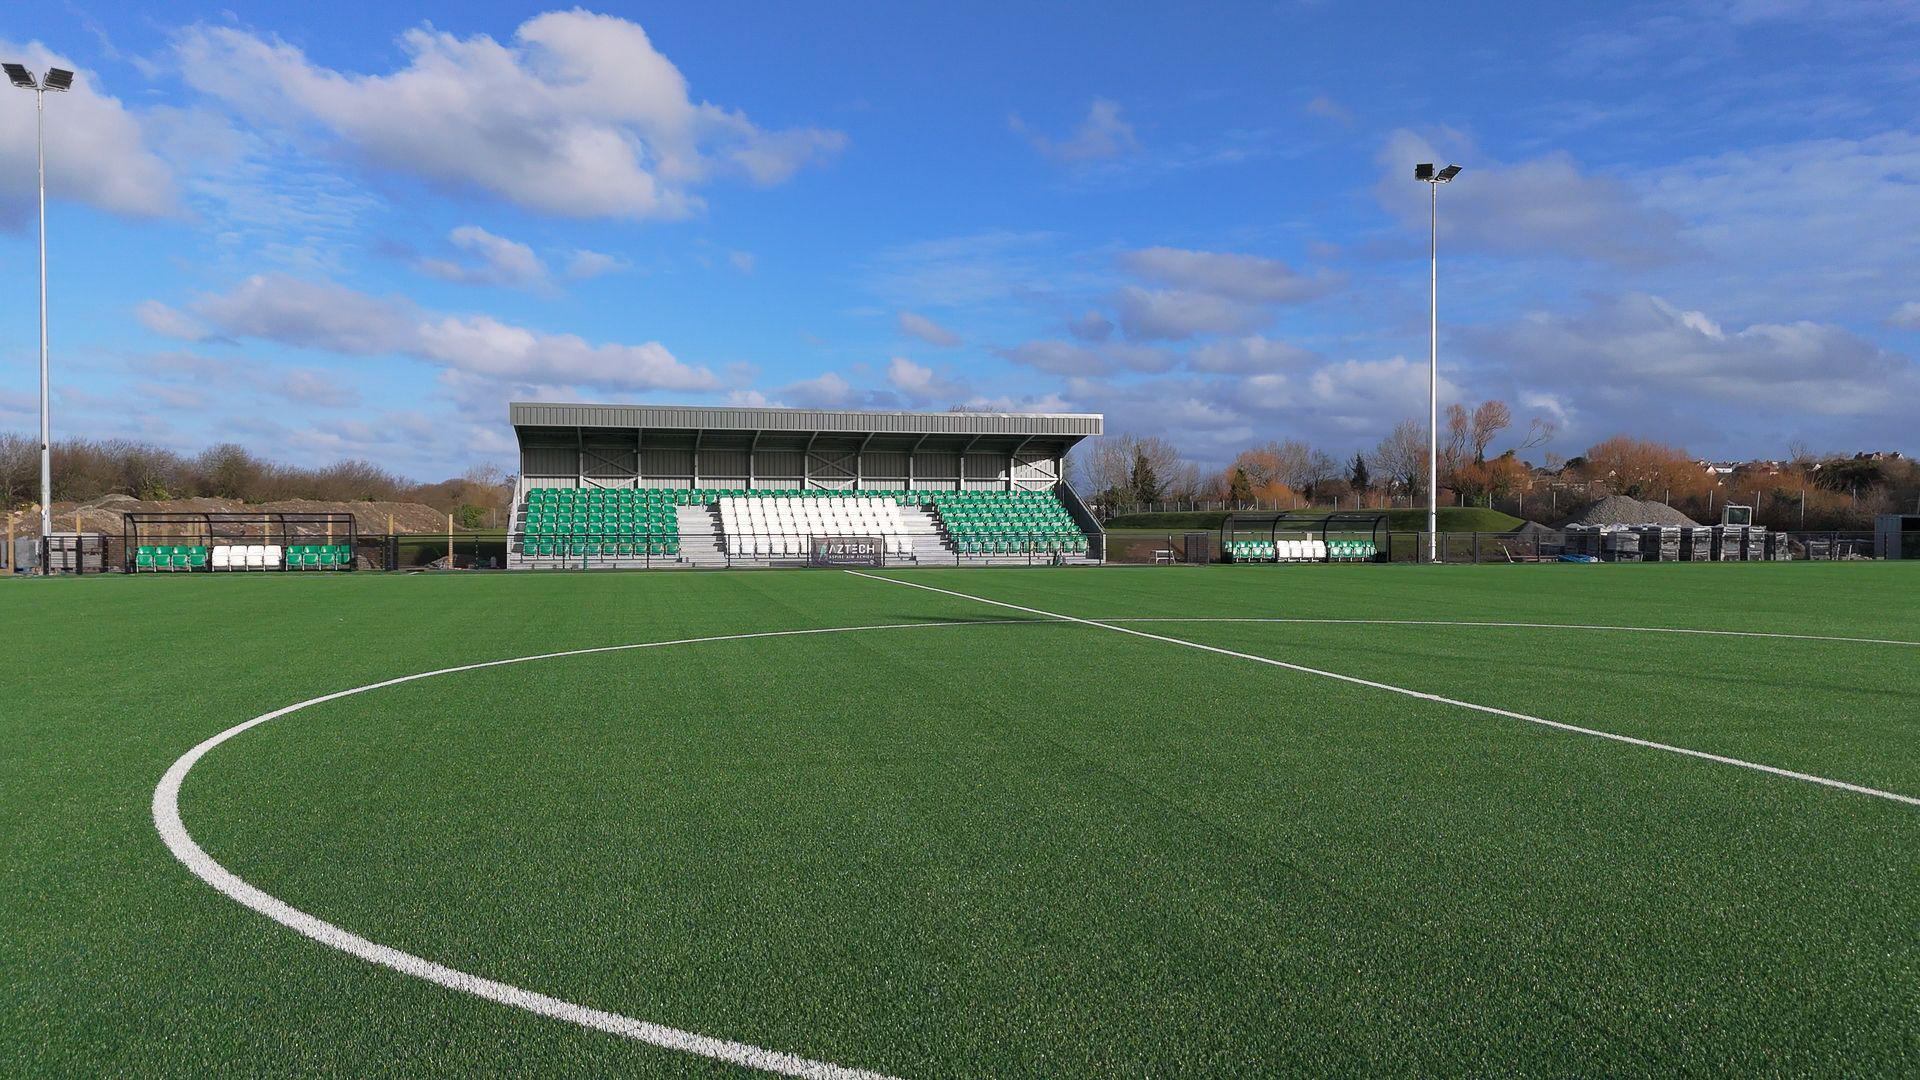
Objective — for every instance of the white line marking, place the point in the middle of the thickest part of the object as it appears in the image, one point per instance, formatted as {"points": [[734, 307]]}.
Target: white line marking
{"points": [[1527, 626], [166, 818], [1392, 689]]}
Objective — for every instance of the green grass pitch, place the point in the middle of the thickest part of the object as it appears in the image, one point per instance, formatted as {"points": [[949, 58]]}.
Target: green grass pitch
{"points": [[998, 844]]}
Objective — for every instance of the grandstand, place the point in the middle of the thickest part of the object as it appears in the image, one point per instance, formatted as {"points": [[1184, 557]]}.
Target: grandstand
{"points": [[686, 486]]}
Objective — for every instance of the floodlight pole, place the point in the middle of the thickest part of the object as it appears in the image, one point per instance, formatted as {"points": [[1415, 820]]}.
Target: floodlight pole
{"points": [[1433, 178], [46, 443], [1433, 373]]}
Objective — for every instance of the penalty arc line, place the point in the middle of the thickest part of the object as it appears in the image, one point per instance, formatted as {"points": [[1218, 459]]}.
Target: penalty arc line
{"points": [[1558, 725], [167, 820]]}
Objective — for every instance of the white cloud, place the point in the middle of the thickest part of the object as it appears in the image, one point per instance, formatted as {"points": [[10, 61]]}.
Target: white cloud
{"points": [[334, 318], [583, 264], [328, 390], [1020, 403], [1327, 108], [577, 115], [1067, 358], [1548, 205], [1059, 358], [1090, 325], [175, 398], [922, 383], [1627, 360], [1368, 396], [1103, 134], [967, 271], [743, 261], [1252, 354], [492, 260], [1247, 278], [487, 346], [1906, 316], [927, 330], [1137, 357], [312, 315], [97, 152], [820, 392], [169, 322], [1178, 314], [1822, 227]]}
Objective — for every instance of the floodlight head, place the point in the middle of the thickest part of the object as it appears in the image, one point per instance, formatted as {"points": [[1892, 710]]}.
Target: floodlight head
{"points": [[58, 79], [20, 76], [1445, 175], [1423, 172]]}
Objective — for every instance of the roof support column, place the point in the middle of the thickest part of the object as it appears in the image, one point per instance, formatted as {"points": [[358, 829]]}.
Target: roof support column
{"points": [[913, 460]]}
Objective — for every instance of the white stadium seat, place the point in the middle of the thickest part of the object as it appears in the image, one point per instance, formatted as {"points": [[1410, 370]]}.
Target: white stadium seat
{"points": [[780, 526], [270, 555], [256, 555], [221, 554]]}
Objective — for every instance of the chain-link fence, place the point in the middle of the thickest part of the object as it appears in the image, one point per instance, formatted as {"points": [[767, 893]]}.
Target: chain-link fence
{"points": [[1531, 546], [103, 553]]}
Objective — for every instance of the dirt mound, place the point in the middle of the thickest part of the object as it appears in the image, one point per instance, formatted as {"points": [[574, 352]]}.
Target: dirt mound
{"points": [[1621, 510], [107, 514]]}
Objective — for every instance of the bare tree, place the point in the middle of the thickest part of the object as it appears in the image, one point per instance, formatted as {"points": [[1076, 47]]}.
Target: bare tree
{"points": [[1401, 457], [1108, 464], [1540, 432], [1490, 419]]}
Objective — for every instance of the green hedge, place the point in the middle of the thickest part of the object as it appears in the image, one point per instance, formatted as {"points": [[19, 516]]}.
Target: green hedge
{"points": [[1452, 519]]}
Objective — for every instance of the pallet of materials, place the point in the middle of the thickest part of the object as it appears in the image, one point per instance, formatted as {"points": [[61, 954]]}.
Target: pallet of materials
{"points": [[1696, 543], [1620, 545], [1583, 540], [1657, 543], [1729, 541], [1779, 547]]}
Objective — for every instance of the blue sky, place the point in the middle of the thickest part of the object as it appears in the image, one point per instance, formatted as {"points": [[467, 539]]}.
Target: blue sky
{"points": [[358, 230]]}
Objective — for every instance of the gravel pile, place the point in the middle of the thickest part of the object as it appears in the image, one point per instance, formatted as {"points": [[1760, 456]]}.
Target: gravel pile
{"points": [[1621, 510]]}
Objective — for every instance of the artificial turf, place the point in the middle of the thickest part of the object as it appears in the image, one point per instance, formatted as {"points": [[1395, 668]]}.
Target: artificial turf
{"points": [[1025, 848]]}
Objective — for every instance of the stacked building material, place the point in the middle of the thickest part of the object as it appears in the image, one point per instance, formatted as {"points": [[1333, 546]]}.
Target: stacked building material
{"points": [[1740, 543], [1583, 540], [1696, 544], [1657, 543], [1620, 545]]}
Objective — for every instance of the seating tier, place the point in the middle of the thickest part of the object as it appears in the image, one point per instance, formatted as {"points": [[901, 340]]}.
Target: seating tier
{"points": [[616, 522], [1007, 522], [781, 526]]}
